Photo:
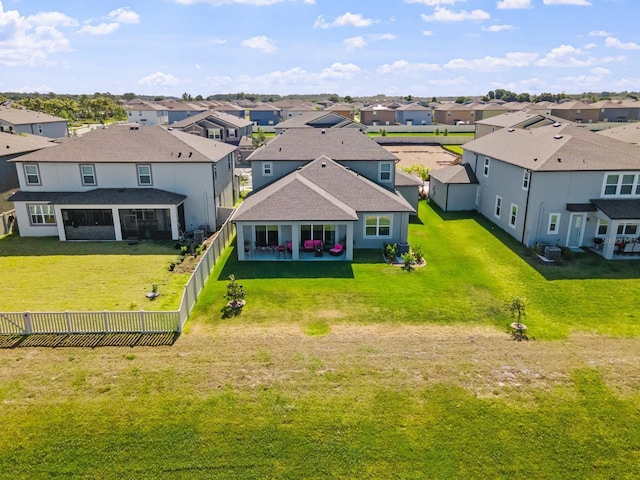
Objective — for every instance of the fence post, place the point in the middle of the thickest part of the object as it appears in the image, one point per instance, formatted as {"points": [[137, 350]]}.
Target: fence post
{"points": [[143, 321], [105, 318], [28, 324], [68, 321]]}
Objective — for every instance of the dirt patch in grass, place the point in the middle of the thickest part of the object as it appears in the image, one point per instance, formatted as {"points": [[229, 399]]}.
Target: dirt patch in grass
{"points": [[433, 157]]}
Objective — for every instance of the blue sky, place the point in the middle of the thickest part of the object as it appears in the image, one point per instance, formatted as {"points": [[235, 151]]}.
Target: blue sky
{"points": [[396, 47]]}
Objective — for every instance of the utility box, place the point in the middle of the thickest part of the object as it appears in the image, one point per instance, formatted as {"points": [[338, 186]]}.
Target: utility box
{"points": [[552, 253], [198, 236]]}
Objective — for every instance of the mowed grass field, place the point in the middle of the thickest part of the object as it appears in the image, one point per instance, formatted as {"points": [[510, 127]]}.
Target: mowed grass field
{"points": [[355, 370]]}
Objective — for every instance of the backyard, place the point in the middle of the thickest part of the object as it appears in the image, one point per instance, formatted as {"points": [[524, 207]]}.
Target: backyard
{"points": [[354, 370]]}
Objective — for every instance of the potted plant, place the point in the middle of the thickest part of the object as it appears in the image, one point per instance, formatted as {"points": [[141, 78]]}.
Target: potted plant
{"points": [[235, 293]]}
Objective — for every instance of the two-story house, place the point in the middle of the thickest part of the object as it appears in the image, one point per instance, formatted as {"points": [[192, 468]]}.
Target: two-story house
{"points": [[145, 113], [217, 126], [321, 187], [321, 119], [377, 115], [558, 184], [125, 182], [413, 114], [13, 146], [21, 120], [265, 115]]}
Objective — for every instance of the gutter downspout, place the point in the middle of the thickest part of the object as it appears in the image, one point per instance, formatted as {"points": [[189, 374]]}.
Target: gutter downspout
{"points": [[446, 199], [526, 206]]}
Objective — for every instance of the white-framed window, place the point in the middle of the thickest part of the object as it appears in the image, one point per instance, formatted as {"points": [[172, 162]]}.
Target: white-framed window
{"points": [[628, 229], [621, 184], [526, 178], [554, 223], [41, 214], [267, 169], [88, 174], [498, 210], [32, 174], [144, 175], [384, 171], [603, 227], [40, 128], [485, 170], [513, 216], [215, 133], [231, 133], [377, 226]]}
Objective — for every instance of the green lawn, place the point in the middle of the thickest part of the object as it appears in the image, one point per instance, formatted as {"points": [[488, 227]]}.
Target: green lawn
{"points": [[357, 370], [44, 274]]}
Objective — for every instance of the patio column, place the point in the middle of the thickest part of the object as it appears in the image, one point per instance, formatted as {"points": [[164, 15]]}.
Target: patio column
{"points": [[173, 213], [349, 242], [57, 211], [240, 241], [609, 246], [115, 213], [295, 241]]}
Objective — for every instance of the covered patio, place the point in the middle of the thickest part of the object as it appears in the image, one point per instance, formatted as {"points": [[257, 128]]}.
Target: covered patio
{"points": [[617, 234]]}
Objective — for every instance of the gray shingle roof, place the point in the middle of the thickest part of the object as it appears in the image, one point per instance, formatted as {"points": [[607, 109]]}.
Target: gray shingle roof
{"points": [[520, 119], [11, 144], [563, 148], [619, 209], [218, 117], [103, 196], [20, 116], [455, 174], [341, 144], [322, 190], [404, 179], [126, 144], [629, 133]]}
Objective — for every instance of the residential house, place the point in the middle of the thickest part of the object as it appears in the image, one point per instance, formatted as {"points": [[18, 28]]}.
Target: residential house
{"points": [[145, 113], [628, 133], [21, 120], [560, 185], [341, 108], [13, 146], [575, 111], [377, 115], [217, 126], [231, 109], [265, 115], [314, 188], [180, 110], [413, 114], [125, 182], [617, 111], [454, 114], [291, 108], [487, 110], [321, 119]]}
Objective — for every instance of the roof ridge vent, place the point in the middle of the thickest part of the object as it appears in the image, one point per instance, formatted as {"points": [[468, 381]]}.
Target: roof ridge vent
{"points": [[512, 129], [557, 137], [557, 124]]}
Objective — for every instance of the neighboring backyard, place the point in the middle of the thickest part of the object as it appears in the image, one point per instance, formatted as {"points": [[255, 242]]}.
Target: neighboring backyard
{"points": [[44, 274], [361, 370]]}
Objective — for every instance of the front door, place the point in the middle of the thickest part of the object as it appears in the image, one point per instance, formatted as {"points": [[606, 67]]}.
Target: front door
{"points": [[576, 230]]}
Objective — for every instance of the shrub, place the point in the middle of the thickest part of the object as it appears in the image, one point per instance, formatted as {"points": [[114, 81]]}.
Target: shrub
{"points": [[446, 132], [235, 293], [408, 259], [437, 131], [391, 251], [417, 253], [383, 132]]}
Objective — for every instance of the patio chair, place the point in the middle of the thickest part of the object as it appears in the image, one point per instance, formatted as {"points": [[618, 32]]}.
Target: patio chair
{"points": [[337, 250], [628, 248]]}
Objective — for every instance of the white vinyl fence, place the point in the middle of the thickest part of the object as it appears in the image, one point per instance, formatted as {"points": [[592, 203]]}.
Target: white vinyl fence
{"points": [[29, 323]]}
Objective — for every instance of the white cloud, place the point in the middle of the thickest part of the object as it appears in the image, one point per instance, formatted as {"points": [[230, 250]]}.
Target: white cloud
{"points": [[445, 15], [613, 42], [584, 3], [599, 33], [404, 67], [489, 63], [600, 71], [354, 43], [217, 41], [31, 40], [620, 58], [565, 56], [218, 3], [347, 20], [310, 2], [449, 82], [219, 81], [115, 18], [102, 29], [589, 46], [498, 28], [260, 42], [124, 15], [384, 36], [513, 4], [427, 33], [159, 79], [340, 71], [433, 3], [39, 89]]}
